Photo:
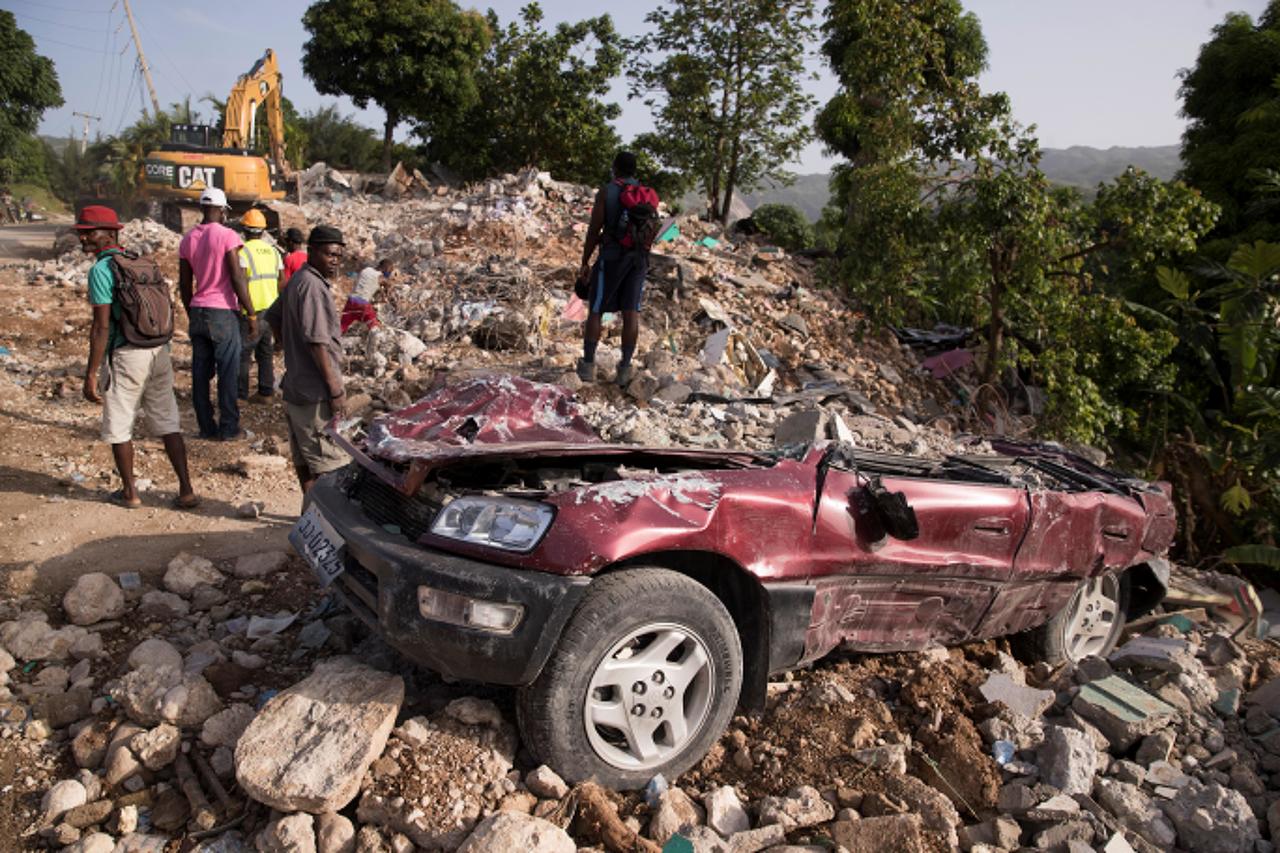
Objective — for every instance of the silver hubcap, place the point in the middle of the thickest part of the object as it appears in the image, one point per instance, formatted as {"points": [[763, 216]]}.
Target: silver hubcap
{"points": [[1095, 618], [649, 695]]}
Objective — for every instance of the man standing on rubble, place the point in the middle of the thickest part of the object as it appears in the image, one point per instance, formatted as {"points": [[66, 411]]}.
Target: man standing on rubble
{"points": [[359, 307], [264, 267], [305, 321], [616, 282], [213, 287]]}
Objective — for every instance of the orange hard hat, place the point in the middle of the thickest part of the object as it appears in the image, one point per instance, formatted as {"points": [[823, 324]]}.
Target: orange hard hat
{"points": [[253, 218]]}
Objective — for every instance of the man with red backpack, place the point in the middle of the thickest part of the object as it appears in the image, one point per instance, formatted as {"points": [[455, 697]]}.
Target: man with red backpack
{"points": [[624, 224], [129, 347]]}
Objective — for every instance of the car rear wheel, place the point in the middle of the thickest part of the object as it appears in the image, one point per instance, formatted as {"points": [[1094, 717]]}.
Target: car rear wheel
{"points": [[643, 681], [1089, 625]]}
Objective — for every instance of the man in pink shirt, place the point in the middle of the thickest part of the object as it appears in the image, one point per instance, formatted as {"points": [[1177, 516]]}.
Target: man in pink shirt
{"points": [[213, 287]]}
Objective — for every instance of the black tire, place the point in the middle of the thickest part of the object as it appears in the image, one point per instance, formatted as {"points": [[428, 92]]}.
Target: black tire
{"points": [[610, 634], [1055, 642]]}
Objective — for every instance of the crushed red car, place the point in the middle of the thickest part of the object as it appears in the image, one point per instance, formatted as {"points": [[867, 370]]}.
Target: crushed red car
{"points": [[636, 595]]}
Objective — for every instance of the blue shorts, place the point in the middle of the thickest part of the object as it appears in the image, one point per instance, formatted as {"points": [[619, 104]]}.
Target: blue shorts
{"points": [[617, 283]]}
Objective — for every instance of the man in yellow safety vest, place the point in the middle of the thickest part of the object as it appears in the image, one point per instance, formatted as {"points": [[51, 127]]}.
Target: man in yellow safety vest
{"points": [[264, 268]]}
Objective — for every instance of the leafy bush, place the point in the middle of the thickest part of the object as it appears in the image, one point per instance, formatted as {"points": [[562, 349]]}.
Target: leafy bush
{"points": [[785, 225]]}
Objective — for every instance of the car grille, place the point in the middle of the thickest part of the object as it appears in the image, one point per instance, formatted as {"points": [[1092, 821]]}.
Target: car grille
{"points": [[388, 507]]}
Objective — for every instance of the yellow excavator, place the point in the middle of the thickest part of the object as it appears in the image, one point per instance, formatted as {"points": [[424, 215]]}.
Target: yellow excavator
{"points": [[176, 174]]}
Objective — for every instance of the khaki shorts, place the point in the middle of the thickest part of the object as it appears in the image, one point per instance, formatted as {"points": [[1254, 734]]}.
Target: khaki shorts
{"points": [[137, 379], [309, 445]]}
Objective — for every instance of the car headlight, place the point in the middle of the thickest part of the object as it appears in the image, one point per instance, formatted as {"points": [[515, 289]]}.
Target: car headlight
{"points": [[512, 525]]}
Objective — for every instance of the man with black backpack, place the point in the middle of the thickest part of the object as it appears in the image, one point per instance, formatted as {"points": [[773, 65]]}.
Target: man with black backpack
{"points": [[624, 224], [129, 347]]}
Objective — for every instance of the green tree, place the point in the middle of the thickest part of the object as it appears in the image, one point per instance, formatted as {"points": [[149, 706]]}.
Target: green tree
{"points": [[340, 141], [540, 102], [725, 84], [942, 211], [1229, 99], [28, 87], [785, 225], [415, 59]]}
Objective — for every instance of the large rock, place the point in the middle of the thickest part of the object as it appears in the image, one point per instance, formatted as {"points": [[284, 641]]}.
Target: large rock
{"points": [[30, 637], [158, 747], [1022, 700], [675, 812], [803, 806], [187, 571], [899, 833], [1212, 819], [335, 833], [510, 831], [725, 813], [309, 747], [225, 727], [61, 798], [154, 652], [259, 565], [1121, 711], [154, 695], [94, 597], [293, 833], [1067, 760], [1135, 810]]}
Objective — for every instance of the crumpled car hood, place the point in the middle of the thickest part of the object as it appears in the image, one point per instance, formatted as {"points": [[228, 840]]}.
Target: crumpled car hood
{"points": [[486, 410], [495, 416]]}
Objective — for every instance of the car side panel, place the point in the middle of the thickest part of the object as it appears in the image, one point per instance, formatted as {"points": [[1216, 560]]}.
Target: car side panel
{"points": [[1076, 535], [889, 594]]}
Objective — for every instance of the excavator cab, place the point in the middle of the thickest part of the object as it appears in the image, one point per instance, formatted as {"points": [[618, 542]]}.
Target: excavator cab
{"points": [[196, 157]]}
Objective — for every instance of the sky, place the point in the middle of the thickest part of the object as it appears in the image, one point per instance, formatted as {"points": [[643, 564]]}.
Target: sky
{"points": [[1099, 73]]}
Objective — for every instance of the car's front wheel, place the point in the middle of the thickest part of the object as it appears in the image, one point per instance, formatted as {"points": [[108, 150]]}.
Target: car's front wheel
{"points": [[1090, 624], [643, 681]]}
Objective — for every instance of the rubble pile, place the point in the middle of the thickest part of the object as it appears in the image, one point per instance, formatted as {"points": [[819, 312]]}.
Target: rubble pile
{"points": [[235, 706], [737, 348], [70, 266]]}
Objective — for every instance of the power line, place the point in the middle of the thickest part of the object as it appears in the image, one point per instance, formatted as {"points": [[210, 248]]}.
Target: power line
{"points": [[160, 47], [57, 23], [73, 11], [66, 43], [102, 73]]}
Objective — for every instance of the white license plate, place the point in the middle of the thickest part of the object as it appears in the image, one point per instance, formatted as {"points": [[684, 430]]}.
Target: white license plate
{"points": [[320, 545]]}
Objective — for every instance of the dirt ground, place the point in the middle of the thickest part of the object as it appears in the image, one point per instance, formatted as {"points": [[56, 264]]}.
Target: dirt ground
{"points": [[56, 474]]}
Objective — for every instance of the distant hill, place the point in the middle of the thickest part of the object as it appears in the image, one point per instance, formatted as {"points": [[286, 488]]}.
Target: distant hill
{"points": [[1078, 166]]}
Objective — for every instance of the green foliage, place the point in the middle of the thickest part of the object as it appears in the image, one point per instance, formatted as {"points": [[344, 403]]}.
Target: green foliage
{"points": [[942, 212], [785, 225], [539, 103], [340, 141], [1254, 555], [415, 59], [1233, 108], [725, 84], [28, 87]]}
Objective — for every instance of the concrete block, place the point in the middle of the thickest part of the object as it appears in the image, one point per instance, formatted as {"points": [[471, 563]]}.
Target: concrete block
{"points": [[1027, 701], [1121, 711]]}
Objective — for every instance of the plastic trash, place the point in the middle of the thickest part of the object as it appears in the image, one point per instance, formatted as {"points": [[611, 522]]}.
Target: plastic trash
{"points": [[129, 580], [1002, 751], [653, 791], [266, 626]]}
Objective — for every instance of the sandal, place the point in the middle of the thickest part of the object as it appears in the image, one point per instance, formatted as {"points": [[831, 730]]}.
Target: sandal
{"points": [[186, 502], [118, 498]]}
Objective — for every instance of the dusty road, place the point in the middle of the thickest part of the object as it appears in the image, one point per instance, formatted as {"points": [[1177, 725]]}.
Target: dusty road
{"points": [[56, 474]]}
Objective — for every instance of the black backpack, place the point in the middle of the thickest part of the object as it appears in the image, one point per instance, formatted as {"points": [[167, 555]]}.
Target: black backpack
{"points": [[146, 303]]}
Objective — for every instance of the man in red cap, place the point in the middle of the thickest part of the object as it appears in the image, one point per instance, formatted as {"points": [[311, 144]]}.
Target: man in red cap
{"points": [[133, 378]]}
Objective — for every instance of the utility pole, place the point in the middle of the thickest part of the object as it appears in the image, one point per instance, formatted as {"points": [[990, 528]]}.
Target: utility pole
{"points": [[142, 59], [84, 140]]}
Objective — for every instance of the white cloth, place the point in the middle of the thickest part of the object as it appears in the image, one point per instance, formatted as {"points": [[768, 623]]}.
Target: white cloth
{"points": [[367, 284]]}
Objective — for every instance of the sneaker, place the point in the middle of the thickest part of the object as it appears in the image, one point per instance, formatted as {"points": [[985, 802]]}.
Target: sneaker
{"points": [[625, 372], [586, 370]]}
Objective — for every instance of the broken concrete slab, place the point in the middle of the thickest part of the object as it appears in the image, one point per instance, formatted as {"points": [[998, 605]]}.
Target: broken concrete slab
{"points": [[1022, 700], [1167, 654], [1121, 711]]}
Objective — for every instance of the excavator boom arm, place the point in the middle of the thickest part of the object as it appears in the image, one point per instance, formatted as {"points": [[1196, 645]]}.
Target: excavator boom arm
{"points": [[260, 86]]}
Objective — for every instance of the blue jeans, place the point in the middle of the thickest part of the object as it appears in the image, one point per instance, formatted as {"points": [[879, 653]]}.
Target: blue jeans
{"points": [[215, 348]]}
